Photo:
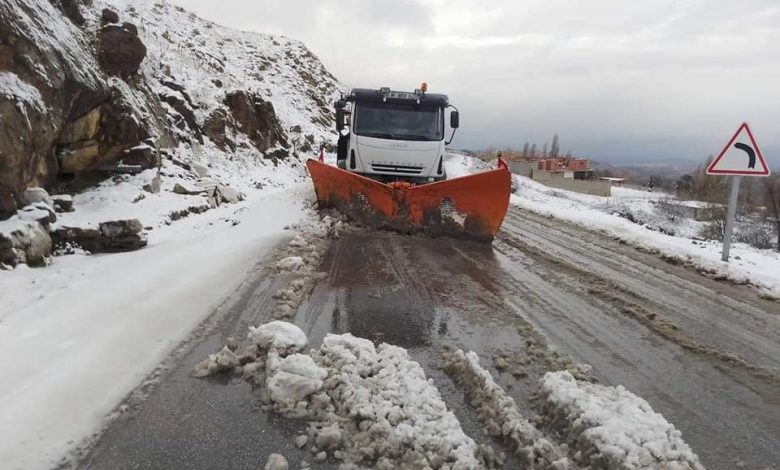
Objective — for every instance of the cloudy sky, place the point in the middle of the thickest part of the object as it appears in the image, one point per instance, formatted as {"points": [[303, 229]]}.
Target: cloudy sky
{"points": [[620, 81]]}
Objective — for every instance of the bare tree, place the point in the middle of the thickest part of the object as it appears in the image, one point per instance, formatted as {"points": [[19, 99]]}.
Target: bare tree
{"points": [[772, 196], [555, 149]]}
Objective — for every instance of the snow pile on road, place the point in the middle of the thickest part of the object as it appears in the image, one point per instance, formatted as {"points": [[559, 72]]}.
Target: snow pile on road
{"points": [[500, 415], [594, 426], [395, 416], [293, 378], [368, 406], [609, 427], [302, 259]]}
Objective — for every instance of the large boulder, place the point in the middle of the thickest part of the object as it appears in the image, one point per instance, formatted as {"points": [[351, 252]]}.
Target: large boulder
{"points": [[120, 50], [143, 155], [257, 119], [27, 242], [110, 237]]}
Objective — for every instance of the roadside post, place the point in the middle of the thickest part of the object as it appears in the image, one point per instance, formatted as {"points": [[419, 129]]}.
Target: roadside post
{"points": [[740, 157]]}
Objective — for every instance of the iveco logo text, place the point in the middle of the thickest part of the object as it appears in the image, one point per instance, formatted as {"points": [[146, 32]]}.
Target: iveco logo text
{"points": [[398, 146]]}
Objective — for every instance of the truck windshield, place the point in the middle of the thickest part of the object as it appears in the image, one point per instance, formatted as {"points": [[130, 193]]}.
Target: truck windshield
{"points": [[399, 121]]}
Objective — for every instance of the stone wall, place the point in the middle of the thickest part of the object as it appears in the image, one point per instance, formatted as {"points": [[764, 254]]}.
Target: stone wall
{"points": [[556, 180]]}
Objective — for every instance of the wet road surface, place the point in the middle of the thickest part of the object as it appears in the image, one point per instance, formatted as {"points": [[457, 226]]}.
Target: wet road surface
{"points": [[703, 353]]}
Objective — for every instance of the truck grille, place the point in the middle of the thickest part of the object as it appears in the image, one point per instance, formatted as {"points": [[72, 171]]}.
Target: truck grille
{"points": [[395, 168]]}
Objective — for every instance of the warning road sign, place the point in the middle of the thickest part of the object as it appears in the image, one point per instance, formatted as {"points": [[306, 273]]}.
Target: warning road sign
{"points": [[741, 156]]}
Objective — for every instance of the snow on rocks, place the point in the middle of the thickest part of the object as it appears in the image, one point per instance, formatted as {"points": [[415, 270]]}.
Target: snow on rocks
{"points": [[609, 427], [501, 417]]}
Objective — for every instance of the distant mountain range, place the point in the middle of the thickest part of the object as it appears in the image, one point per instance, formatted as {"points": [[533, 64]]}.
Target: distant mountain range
{"points": [[672, 169]]}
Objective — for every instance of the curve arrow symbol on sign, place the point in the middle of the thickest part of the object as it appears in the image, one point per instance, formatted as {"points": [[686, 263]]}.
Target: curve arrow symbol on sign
{"points": [[731, 160], [751, 153]]}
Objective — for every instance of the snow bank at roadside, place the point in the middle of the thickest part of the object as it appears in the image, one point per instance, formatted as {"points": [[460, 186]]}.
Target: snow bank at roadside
{"points": [[367, 405], [609, 427], [760, 268]]}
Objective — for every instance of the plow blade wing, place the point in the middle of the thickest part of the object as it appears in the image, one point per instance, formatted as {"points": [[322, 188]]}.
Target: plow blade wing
{"points": [[469, 207]]}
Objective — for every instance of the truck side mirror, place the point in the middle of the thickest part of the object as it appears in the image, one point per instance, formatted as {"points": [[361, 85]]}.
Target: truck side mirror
{"points": [[454, 119], [340, 114]]}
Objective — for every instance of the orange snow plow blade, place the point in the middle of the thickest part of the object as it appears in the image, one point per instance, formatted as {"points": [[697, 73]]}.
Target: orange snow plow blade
{"points": [[469, 207]]}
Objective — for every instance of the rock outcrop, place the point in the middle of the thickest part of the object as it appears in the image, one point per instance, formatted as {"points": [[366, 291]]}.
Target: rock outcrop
{"points": [[257, 119], [47, 79]]}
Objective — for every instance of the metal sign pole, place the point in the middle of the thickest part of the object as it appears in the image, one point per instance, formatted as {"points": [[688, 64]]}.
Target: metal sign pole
{"points": [[730, 216]]}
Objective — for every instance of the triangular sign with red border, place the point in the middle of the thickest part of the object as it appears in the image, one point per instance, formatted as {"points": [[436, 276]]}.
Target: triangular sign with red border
{"points": [[741, 156]]}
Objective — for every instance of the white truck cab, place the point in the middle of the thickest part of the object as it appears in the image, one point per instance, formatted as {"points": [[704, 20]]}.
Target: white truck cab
{"points": [[389, 135]]}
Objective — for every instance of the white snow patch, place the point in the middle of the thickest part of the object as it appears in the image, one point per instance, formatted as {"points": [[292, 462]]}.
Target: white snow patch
{"points": [[614, 427], [279, 335]]}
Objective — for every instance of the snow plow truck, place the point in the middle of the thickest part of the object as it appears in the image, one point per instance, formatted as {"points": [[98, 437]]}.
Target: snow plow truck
{"points": [[390, 170]]}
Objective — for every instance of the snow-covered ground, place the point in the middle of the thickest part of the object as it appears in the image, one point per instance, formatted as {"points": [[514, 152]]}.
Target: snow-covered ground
{"points": [[78, 336], [760, 268]]}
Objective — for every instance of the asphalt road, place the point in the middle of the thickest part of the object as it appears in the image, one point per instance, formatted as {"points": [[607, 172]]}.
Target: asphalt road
{"points": [[704, 353]]}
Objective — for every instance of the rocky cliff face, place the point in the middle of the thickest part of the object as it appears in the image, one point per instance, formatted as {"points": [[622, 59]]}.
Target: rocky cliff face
{"points": [[48, 77], [89, 88]]}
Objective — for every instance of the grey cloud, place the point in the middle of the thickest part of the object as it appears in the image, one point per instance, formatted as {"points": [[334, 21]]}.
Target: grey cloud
{"points": [[617, 80]]}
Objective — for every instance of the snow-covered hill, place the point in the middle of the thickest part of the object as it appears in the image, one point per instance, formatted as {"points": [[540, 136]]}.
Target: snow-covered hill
{"points": [[211, 61], [197, 113]]}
